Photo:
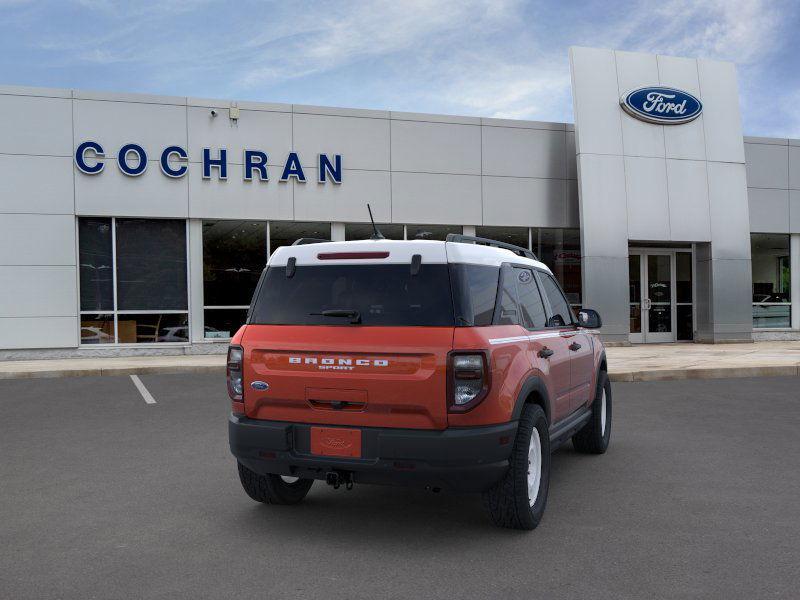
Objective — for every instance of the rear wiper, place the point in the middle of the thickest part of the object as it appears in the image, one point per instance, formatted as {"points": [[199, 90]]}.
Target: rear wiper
{"points": [[353, 315]]}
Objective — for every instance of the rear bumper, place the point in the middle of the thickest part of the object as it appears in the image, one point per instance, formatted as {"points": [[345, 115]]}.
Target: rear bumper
{"points": [[461, 459]]}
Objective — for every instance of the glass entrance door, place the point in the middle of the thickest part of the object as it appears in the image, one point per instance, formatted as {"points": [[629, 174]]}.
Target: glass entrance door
{"points": [[660, 297]]}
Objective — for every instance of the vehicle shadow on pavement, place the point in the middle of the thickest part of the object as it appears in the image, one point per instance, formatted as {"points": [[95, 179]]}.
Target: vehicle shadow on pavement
{"points": [[385, 512]]}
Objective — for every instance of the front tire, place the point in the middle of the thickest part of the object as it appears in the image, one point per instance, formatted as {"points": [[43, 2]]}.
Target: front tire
{"points": [[518, 500], [596, 434], [273, 489]]}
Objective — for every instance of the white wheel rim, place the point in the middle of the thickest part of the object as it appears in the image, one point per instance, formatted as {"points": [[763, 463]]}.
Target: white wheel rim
{"points": [[603, 413], [534, 466], [289, 479]]}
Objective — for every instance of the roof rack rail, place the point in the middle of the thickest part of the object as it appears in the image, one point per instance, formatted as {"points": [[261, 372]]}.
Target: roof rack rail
{"points": [[305, 241], [470, 239]]}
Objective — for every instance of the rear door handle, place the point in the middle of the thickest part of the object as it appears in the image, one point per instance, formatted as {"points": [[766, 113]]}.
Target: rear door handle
{"points": [[574, 346], [545, 352]]}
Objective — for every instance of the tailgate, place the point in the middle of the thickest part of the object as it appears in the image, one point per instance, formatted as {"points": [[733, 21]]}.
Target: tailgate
{"points": [[346, 375]]}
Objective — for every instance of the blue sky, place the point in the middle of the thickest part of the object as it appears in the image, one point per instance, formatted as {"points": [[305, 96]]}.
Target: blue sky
{"points": [[503, 58]]}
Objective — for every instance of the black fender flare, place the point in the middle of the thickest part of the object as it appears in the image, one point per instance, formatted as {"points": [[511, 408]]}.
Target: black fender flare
{"points": [[534, 383]]}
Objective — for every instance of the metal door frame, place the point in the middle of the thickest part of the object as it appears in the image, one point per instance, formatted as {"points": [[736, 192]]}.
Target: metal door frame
{"points": [[644, 337]]}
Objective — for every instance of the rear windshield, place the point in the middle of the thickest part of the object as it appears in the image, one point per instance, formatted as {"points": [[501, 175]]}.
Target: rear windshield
{"points": [[382, 295]]}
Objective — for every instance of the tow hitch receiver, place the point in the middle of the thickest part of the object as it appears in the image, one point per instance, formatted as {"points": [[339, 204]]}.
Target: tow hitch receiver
{"points": [[338, 478]]}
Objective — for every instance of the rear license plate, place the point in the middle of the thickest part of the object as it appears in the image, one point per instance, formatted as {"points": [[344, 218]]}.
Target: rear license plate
{"points": [[335, 441]]}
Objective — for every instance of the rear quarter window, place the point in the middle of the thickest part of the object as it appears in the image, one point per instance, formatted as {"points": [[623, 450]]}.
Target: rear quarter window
{"points": [[474, 293], [384, 295]]}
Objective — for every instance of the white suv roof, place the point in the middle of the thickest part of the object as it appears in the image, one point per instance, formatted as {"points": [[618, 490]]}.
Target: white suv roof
{"points": [[400, 251]]}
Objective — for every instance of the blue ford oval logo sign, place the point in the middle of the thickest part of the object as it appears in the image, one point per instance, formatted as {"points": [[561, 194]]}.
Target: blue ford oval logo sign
{"points": [[259, 385], [663, 105]]}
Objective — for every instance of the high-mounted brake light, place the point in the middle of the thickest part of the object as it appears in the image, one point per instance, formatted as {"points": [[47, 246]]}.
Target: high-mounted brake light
{"points": [[467, 379], [351, 255], [234, 373]]}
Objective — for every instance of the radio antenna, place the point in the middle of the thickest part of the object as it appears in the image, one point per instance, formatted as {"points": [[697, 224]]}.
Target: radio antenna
{"points": [[376, 234]]}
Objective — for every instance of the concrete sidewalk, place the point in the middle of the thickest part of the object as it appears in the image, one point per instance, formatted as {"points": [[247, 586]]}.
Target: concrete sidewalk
{"points": [[634, 363]]}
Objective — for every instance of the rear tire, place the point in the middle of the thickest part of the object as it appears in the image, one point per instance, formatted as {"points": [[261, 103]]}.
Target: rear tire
{"points": [[518, 500], [273, 489], [596, 434]]}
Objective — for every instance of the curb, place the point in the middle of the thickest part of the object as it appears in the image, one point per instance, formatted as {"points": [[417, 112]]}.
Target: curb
{"points": [[113, 371], [705, 373], [615, 376]]}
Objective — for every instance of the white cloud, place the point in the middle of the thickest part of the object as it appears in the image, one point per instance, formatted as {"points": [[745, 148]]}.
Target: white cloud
{"points": [[325, 40]]}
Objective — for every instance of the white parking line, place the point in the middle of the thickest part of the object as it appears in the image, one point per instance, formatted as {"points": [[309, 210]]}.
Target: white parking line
{"points": [[148, 397]]}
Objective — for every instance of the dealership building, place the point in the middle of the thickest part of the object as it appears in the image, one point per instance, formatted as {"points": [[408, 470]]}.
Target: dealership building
{"points": [[136, 224]]}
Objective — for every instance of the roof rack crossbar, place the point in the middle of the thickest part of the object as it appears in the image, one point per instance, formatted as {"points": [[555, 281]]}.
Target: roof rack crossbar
{"points": [[471, 239], [305, 241]]}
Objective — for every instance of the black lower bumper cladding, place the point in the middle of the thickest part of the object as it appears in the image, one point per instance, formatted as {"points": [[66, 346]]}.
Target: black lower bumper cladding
{"points": [[469, 459]]}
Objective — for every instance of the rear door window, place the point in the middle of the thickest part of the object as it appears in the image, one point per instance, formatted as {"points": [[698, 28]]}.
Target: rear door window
{"points": [[383, 295], [530, 300], [561, 313]]}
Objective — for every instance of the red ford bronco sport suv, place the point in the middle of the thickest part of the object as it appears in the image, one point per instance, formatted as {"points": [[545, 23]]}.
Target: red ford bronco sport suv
{"points": [[448, 365]]}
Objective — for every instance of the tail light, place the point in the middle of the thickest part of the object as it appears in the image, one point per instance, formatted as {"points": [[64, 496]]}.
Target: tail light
{"points": [[234, 372], [467, 379]]}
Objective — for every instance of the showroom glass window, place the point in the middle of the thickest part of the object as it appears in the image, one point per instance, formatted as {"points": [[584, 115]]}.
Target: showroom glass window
{"points": [[431, 232], [133, 281], [285, 233], [560, 249], [363, 231], [519, 236], [772, 306], [234, 255]]}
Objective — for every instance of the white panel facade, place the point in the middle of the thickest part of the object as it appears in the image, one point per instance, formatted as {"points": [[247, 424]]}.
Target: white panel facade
{"points": [[27, 239], [516, 152], [269, 132], [767, 165], [35, 125], [114, 194], [688, 140], [669, 173], [639, 182], [602, 202], [794, 167], [38, 291], [325, 202], [635, 70], [114, 124], [794, 211], [722, 120], [39, 184], [38, 332], [236, 199], [687, 184], [525, 202], [424, 147], [769, 210], [648, 204], [436, 198], [362, 142], [594, 76]]}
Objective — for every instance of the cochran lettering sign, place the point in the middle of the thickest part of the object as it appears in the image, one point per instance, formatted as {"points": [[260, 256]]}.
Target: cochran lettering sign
{"points": [[132, 160], [662, 105]]}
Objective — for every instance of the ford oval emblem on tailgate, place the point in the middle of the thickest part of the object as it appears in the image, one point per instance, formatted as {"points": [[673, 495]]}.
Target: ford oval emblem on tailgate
{"points": [[259, 385]]}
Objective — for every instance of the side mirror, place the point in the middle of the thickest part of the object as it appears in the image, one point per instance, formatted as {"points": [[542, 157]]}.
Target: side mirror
{"points": [[589, 319]]}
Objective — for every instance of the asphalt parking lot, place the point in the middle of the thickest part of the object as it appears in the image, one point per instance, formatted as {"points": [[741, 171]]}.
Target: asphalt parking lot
{"points": [[107, 496]]}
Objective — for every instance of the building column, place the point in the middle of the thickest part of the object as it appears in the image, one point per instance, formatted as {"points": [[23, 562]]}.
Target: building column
{"points": [[794, 270], [195, 251], [337, 232]]}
